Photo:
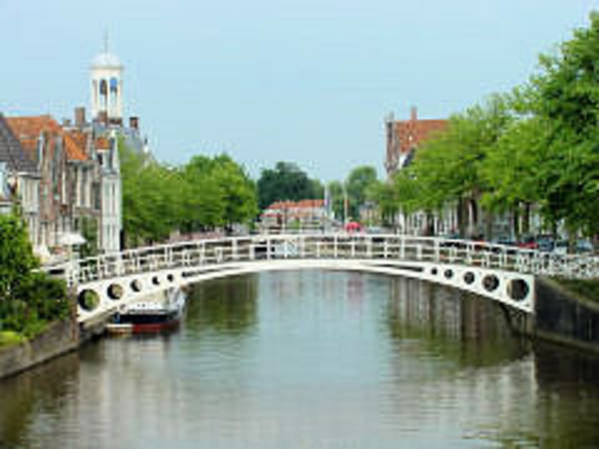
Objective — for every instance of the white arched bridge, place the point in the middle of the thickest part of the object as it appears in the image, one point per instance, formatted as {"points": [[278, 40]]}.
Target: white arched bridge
{"points": [[501, 273]]}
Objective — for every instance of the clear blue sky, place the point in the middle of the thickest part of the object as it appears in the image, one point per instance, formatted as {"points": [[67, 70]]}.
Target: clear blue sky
{"points": [[297, 80]]}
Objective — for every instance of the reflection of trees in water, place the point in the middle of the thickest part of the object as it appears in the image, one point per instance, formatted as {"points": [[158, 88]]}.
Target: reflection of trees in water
{"points": [[455, 325], [34, 392], [227, 305], [564, 412], [568, 397]]}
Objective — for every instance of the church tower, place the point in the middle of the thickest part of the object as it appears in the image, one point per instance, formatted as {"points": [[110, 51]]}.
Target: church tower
{"points": [[107, 87]]}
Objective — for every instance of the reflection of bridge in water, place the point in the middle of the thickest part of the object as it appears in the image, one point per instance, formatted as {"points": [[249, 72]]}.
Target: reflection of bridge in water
{"points": [[500, 273]]}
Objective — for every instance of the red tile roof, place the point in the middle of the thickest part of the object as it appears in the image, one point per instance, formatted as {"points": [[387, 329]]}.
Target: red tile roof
{"points": [[412, 133], [28, 129], [102, 143], [296, 205]]}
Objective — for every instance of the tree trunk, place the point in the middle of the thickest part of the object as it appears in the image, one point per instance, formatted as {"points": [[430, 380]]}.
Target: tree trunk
{"points": [[462, 216], [526, 221], [516, 221], [489, 216]]}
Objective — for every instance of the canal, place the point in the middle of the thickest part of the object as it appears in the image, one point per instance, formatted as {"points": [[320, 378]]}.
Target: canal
{"points": [[312, 359]]}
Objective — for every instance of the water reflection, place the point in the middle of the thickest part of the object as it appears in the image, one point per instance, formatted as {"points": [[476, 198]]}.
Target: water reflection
{"points": [[227, 306], [35, 398], [312, 359], [457, 326]]}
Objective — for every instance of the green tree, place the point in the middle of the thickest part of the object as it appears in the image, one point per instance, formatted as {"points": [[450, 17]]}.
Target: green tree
{"points": [[285, 182], [16, 255], [336, 195], [28, 299], [358, 182], [564, 97], [448, 167]]}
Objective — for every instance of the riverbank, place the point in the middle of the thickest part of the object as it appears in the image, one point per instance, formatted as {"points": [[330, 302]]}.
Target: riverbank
{"points": [[59, 338]]}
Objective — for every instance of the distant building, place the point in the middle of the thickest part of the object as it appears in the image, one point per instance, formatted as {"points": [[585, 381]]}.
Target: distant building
{"points": [[64, 177], [289, 214], [403, 137], [19, 180]]}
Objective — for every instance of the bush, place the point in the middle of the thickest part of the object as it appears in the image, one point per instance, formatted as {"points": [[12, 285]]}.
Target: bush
{"points": [[28, 300]]}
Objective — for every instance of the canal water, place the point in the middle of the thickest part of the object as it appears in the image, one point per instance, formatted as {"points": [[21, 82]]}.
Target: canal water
{"points": [[312, 359]]}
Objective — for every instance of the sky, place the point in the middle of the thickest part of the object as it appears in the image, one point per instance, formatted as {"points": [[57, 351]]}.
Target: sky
{"points": [[306, 81]]}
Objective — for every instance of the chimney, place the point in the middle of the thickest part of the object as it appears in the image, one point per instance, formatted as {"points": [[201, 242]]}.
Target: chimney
{"points": [[134, 123], [414, 114], [66, 122], [79, 116]]}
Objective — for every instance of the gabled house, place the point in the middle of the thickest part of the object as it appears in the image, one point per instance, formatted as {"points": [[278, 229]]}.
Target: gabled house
{"points": [[403, 137], [80, 181], [19, 181]]}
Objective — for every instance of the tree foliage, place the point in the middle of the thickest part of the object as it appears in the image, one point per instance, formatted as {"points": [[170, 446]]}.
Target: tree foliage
{"points": [[538, 145], [28, 299], [205, 193], [358, 182], [286, 182]]}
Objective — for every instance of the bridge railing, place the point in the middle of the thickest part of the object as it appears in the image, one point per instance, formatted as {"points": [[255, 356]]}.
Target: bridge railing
{"points": [[337, 246]]}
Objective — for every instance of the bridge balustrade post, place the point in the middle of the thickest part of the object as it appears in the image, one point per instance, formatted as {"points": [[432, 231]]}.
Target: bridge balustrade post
{"points": [[252, 252], [386, 249], [402, 248], [120, 269], [369, 247], [419, 251], [469, 253], [169, 256], [318, 250], [234, 252], [335, 247], [486, 260], [437, 251], [268, 248], [202, 260]]}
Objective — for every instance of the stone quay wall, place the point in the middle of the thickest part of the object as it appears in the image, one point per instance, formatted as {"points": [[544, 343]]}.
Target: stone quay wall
{"points": [[564, 317], [59, 338]]}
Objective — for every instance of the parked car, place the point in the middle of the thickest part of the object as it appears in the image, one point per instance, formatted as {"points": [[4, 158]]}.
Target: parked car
{"points": [[504, 240], [560, 247], [583, 246], [545, 243], [528, 242]]}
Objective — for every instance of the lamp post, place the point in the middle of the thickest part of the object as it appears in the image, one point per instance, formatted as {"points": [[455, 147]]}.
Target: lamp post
{"points": [[345, 205]]}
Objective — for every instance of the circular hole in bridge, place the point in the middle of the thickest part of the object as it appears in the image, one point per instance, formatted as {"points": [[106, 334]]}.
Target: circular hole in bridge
{"points": [[434, 271], [115, 291], [448, 274], [155, 280], [490, 282], [88, 299], [469, 277], [170, 277], [518, 289], [136, 285]]}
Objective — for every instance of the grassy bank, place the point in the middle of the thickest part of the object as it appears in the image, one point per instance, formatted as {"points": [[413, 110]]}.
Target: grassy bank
{"points": [[587, 289], [10, 338]]}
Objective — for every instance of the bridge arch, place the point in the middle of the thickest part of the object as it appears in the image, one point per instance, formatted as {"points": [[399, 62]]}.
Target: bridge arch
{"points": [[497, 272], [423, 271]]}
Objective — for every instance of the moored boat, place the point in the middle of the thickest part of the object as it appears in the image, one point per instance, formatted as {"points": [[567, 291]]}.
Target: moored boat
{"points": [[155, 314]]}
